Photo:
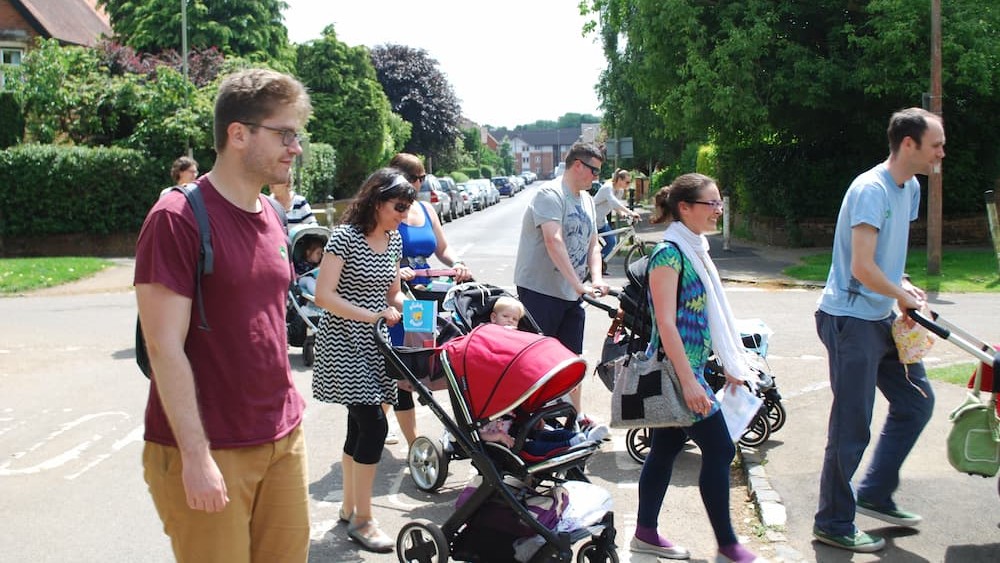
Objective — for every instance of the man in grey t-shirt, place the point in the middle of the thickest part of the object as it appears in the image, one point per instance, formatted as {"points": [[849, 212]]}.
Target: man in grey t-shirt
{"points": [[558, 247]]}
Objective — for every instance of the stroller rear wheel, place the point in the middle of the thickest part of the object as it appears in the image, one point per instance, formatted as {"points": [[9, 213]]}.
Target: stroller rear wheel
{"points": [[592, 552], [637, 443], [428, 464], [758, 432], [422, 541], [776, 414]]}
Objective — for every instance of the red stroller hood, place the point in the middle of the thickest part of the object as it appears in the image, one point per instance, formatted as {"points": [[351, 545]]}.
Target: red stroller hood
{"points": [[501, 368]]}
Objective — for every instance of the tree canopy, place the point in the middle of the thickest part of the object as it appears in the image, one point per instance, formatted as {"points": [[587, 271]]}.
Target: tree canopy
{"points": [[253, 29], [350, 110], [421, 94], [796, 95]]}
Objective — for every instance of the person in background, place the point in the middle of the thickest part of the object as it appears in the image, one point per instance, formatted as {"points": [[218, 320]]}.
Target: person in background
{"points": [[183, 171], [225, 454], [296, 207], [693, 321], [606, 202], [854, 321], [358, 285], [556, 251], [422, 237]]}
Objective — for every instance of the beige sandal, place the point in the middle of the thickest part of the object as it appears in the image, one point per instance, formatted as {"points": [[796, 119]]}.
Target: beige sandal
{"points": [[368, 534]]}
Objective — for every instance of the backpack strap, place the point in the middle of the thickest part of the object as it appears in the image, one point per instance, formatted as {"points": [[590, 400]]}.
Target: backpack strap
{"points": [[206, 259]]}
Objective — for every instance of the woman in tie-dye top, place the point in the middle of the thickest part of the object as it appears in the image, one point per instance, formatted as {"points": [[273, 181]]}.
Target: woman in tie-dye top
{"points": [[680, 268]]}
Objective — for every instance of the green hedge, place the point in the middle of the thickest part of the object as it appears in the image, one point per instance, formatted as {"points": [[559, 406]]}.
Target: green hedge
{"points": [[315, 179], [45, 189], [471, 172], [11, 120]]}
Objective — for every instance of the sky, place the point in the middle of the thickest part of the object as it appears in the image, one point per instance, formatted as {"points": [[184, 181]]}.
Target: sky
{"points": [[510, 63]]}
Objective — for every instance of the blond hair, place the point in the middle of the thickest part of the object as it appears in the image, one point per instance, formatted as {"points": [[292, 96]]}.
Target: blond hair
{"points": [[509, 303]]}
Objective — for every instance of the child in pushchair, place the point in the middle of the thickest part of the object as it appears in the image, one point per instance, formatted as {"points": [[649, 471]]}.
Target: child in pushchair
{"points": [[490, 372], [302, 314]]}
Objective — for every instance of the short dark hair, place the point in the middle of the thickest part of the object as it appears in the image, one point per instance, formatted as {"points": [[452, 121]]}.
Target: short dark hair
{"points": [[909, 122], [683, 188], [583, 150], [361, 211], [409, 164]]}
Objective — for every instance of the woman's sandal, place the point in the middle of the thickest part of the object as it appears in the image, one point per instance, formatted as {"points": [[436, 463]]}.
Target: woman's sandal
{"points": [[370, 536]]}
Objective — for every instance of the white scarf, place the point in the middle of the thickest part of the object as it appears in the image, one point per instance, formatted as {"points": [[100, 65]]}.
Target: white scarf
{"points": [[726, 341]]}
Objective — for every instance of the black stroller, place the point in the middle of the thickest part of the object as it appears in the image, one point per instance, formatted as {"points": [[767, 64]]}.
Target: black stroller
{"points": [[467, 306], [302, 315], [490, 372]]}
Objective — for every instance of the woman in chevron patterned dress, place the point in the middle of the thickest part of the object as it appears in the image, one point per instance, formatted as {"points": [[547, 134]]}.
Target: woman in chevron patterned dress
{"points": [[358, 284], [693, 321]]}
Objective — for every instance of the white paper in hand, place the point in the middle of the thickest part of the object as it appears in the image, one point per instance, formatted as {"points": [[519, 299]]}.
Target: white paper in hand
{"points": [[738, 408]]}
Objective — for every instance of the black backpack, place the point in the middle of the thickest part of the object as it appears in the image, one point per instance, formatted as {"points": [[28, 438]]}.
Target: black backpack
{"points": [[206, 265], [634, 300]]}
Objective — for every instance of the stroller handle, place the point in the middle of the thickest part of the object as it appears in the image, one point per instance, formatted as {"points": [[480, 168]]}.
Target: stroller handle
{"points": [[947, 331], [611, 311]]}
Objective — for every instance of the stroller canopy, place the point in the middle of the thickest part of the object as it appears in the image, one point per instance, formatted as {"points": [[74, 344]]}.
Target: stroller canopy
{"points": [[297, 234], [501, 368]]}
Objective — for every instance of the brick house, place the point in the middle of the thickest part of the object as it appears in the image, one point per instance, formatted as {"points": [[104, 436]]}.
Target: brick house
{"points": [[72, 22], [541, 151]]}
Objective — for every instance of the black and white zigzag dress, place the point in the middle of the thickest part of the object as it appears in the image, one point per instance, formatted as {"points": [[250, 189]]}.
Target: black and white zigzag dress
{"points": [[349, 368]]}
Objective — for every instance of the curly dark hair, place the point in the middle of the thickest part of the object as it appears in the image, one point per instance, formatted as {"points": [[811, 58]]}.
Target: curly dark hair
{"points": [[383, 184]]}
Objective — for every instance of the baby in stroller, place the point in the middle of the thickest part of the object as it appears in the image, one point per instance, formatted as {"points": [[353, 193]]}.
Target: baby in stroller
{"points": [[306, 268], [302, 314]]}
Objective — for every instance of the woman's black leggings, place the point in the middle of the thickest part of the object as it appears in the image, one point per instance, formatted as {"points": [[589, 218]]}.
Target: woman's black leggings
{"points": [[404, 400], [366, 430]]}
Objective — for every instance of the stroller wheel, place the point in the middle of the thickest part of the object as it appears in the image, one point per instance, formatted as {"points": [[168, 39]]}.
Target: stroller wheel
{"points": [[592, 552], [428, 464], [775, 414], [637, 443], [758, 432], [422, 541], [309, 351]]}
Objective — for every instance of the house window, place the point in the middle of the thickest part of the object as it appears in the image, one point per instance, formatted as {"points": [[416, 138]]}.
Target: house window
{"points": [[10, 56]]}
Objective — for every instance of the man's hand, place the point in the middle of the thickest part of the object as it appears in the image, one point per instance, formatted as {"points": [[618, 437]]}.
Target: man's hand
{"points": [[914, 298], [203, 483]]}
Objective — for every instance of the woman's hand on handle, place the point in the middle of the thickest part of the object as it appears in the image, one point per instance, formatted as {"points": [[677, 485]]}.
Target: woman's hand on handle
{"points": [[391, 315]]}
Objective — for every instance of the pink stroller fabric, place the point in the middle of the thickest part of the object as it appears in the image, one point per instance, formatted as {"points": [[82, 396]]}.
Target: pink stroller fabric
{"points": [[500, 369]]}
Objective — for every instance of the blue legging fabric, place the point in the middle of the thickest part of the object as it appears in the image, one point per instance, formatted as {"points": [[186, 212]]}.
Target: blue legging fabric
{"points": [[717, 453]]}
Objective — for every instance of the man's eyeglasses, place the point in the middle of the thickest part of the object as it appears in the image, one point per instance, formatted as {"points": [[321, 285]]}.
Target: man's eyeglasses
{"points": [[713, 202], [288, 136], [415, 178], [595, 170]]}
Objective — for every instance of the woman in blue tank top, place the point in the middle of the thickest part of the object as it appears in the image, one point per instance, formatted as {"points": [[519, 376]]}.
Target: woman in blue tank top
{"points": [[422, 237]]}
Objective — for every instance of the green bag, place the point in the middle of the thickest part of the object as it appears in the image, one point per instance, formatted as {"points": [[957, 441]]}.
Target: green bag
{"points": [[974, 439]]}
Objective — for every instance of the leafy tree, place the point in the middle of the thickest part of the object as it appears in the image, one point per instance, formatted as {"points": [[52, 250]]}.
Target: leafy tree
{"points": [[204, 65], [795, 95], [421, 94], [253, 29], [350, 110]]}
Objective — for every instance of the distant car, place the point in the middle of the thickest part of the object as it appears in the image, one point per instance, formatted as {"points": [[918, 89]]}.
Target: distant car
{"points": [[504, 185], [465, 198], [529, 177], [493, 191], [475, 198], [456, 208], [430, 192], [518, 183]]}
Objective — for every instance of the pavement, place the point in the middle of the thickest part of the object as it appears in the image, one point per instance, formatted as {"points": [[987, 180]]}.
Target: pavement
{"points": [[781, 477]]}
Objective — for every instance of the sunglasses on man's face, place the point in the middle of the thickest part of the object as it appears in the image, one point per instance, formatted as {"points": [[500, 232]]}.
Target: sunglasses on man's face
{"points": [[595, 170]]}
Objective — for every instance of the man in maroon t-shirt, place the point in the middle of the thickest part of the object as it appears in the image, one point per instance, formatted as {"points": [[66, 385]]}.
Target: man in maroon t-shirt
{"points": [[225, 457]]}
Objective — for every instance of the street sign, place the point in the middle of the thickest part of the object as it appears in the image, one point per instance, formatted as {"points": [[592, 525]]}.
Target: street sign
{"points": [[621, 148]]}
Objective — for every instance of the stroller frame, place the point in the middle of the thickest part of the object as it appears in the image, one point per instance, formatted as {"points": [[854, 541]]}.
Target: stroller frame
{"points": [[421, 540]]}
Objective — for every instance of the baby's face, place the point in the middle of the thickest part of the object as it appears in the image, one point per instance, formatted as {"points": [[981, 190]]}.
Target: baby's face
{"points": [[314, 255], [505, 317]]}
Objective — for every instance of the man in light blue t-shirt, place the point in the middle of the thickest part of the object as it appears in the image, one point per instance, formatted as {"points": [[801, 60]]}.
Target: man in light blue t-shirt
{"points": [[854, 322]]}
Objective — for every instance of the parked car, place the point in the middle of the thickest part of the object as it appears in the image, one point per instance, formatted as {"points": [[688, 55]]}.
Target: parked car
{"points": [[430, 192], [518, 183], [456, 208], [468, 205], [529, 177], [504, 185], [491, 188]]}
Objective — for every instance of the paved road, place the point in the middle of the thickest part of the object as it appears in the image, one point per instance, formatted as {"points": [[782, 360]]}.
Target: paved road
{"points": [[71, 414]]}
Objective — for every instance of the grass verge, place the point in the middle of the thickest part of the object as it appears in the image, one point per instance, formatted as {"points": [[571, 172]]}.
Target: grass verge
{"points": [[962, 270], [958, 374], [25, 274]]}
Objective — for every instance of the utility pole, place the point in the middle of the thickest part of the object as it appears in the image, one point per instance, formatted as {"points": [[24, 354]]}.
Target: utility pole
{"points": [[934, 204], [184, 64]]}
